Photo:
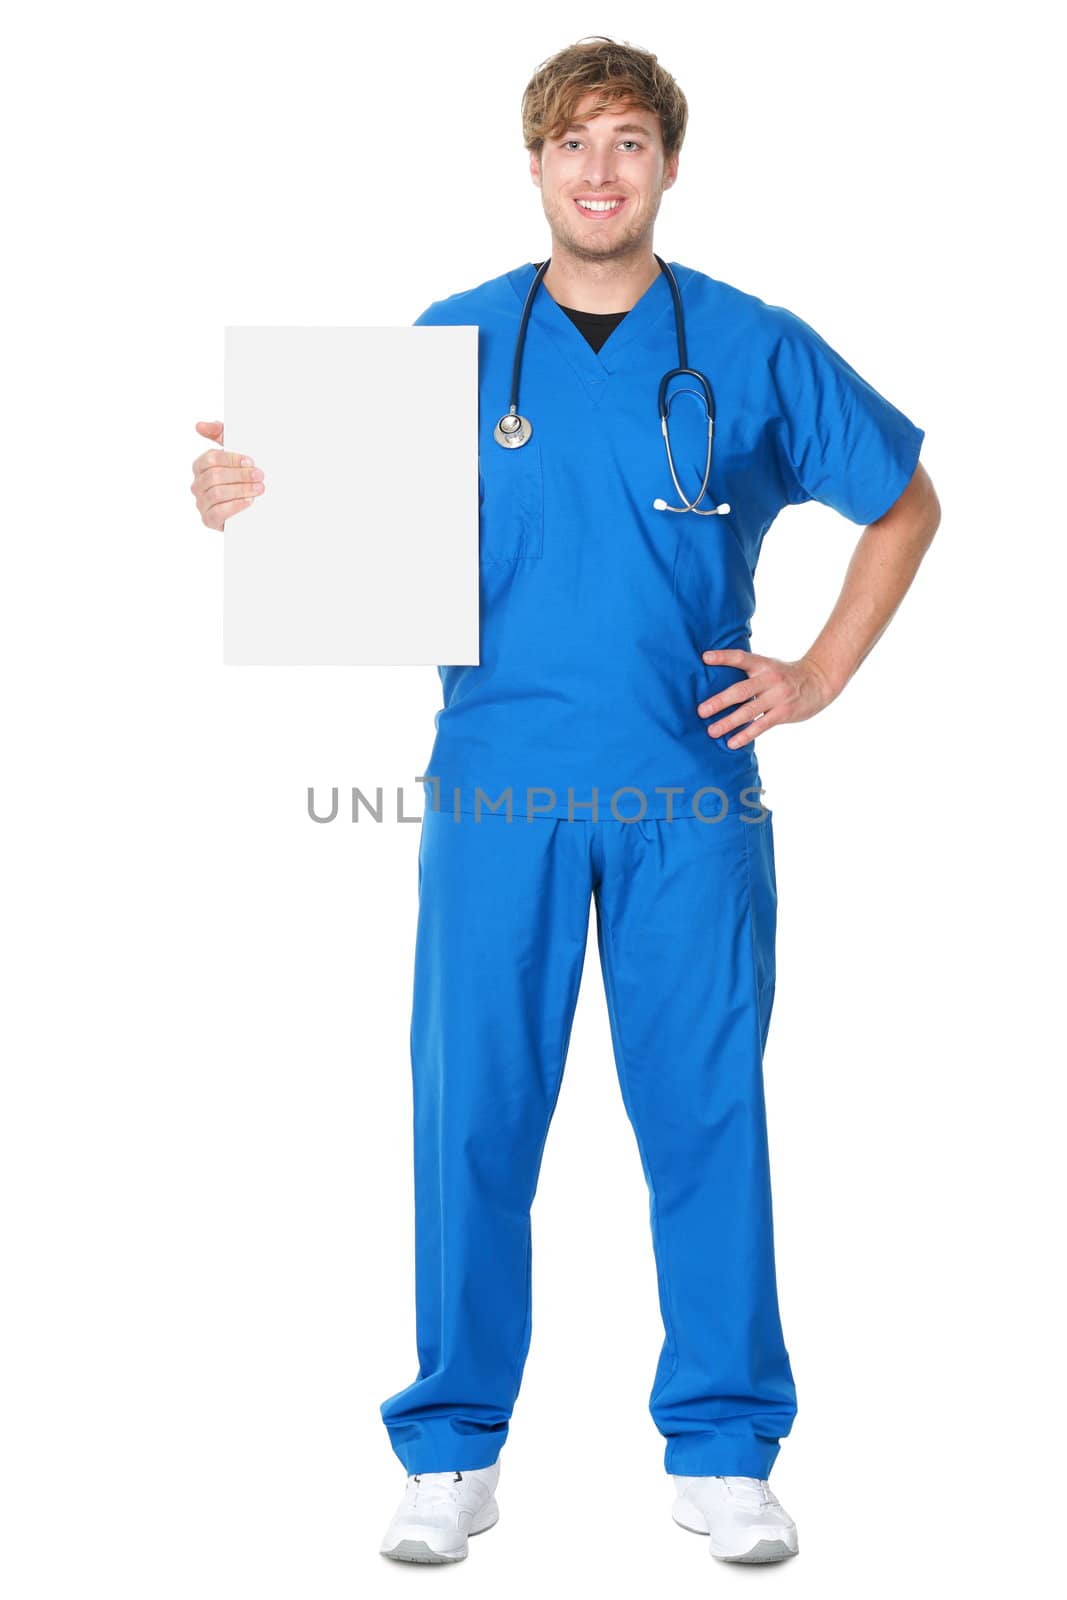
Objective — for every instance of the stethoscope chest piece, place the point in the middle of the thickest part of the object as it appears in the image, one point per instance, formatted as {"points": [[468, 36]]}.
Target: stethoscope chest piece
{"points": [[512, 430]]}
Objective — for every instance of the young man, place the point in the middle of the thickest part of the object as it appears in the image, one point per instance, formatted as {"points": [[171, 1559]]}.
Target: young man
{"points": [[604, 748]]}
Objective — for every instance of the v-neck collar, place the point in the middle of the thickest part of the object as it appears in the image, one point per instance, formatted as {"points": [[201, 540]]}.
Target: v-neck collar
{"points": [[594, 367]]}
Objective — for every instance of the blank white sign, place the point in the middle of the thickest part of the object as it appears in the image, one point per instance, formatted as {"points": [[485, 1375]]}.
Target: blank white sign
{"points": [[363, 549]]}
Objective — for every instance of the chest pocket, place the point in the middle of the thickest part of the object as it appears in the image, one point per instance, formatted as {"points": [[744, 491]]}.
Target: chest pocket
{"points": [[510, 502]]}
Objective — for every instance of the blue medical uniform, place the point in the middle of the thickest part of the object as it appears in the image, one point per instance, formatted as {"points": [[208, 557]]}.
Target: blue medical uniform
{"points": [[569, 768]]}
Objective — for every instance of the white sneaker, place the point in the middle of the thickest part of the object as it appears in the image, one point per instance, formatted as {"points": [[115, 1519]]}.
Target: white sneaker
{"points": [[743, 1516], [438, 1511]]}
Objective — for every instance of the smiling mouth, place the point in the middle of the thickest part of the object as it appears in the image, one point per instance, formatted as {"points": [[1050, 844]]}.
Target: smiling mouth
{"points": [[608, 207]]}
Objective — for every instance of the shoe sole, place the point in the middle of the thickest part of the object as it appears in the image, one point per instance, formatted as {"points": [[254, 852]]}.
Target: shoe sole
{"points": [[764, 1550], [419, 1550]]}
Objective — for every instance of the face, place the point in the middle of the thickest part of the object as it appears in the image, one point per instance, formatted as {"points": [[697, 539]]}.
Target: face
{"points": [[615, 157]]}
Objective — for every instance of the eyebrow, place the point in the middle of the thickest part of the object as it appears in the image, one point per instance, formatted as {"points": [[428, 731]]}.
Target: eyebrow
{"points": [[620, 127]]}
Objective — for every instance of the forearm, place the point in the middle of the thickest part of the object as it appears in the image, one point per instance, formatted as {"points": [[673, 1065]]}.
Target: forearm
{"points": [[879, 575]]}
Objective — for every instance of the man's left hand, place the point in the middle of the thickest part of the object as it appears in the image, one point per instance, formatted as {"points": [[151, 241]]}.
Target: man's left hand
{"points": [[773, 692]]}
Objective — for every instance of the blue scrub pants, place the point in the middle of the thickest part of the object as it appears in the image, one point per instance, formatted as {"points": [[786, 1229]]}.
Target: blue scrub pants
{"points": [[686, 916]]}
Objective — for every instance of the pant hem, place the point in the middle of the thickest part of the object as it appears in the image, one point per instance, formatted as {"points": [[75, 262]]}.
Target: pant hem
{"points": [[448, 1453], [698, 1457]]}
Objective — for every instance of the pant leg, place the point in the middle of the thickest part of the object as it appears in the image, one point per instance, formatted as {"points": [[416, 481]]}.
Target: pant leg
{"points": [[686, 914], [502, 928]]}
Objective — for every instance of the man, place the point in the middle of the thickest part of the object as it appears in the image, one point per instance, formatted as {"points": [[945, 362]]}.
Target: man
{"points": [[604, 748]]}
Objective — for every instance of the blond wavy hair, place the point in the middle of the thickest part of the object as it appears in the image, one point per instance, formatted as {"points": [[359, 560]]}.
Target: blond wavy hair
{"points": [[622, 73]]}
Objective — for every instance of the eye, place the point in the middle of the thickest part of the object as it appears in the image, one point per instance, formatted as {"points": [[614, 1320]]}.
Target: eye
{"points": [[632, 142]]}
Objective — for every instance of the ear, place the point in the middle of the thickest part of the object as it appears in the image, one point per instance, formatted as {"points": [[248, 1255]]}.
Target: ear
{"points": [[670, 171], [535, 168]]}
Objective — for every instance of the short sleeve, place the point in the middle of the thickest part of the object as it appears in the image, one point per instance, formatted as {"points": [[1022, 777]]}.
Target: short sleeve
{"points": [[840, 441]]}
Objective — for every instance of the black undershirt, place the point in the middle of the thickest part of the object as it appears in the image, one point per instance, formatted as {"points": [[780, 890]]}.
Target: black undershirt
{"points": [[595, 325]]}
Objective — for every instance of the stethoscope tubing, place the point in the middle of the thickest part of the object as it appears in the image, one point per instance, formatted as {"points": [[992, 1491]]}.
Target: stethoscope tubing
{"points": [[516, 365], [517, 436]]}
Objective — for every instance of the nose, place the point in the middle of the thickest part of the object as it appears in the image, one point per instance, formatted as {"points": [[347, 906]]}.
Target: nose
{"points": [[600, 171]]}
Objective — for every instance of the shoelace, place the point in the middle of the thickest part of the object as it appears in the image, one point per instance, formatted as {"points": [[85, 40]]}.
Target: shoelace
{"points": [[754, 1491], [428, 1489]]}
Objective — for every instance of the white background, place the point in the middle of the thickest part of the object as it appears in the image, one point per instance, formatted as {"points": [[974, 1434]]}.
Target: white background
{"points": [[207, 1197]]}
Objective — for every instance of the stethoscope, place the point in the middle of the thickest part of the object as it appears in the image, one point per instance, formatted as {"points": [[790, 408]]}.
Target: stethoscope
{"points": [[513, 430]]}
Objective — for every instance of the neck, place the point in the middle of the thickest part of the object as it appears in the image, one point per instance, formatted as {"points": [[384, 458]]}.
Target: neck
{"points": [[615, 284]]}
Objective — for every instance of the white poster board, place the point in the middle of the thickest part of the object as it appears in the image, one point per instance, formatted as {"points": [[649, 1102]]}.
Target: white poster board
{"points": [[363, 549]]}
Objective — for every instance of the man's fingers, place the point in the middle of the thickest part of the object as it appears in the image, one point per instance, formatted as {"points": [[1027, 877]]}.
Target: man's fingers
{"points": [[211, 476], [758, 706], [755, 730], [222, 486], [216, 515], [743, 689], [216, 494], [224, 481], [731, 658], [219, 458]]}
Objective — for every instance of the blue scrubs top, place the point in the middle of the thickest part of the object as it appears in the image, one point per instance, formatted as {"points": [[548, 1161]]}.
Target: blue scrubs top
{"points": [[595, 608]]}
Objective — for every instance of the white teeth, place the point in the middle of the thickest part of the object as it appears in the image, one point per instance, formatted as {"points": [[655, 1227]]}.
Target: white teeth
{"points": [[599, 205]]}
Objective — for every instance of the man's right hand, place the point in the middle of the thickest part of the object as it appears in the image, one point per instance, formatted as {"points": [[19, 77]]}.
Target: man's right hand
{"points": [[224, 481]]}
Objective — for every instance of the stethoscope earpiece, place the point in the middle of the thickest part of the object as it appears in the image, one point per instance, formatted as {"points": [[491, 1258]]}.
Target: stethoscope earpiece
{"points": [[513, 430], [701, 511]]}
